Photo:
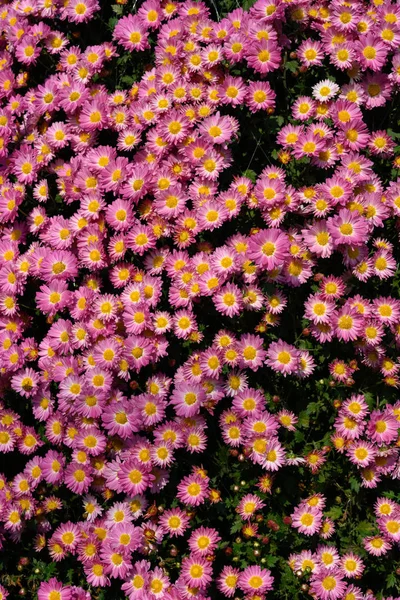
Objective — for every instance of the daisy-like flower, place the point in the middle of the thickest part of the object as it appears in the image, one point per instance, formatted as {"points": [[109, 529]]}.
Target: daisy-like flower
{"points": [[352, 564], [282, 357], [268, 248], [187, 399], [196, 571], [355, 407], [134, 478], [116, 563], [382, 427], [131, 33], [254, 579], [349, 427], [376, 545], [25, 382], [347, 228], [347, 323], [7, 440], [251, 352], [260, 96], [318, 239], [361, 453], [53, 589], [287, 419], [372, 52], [203, 540], [248, 505], [387, 309], [78, 477], [385, 507], [192, 490], [310, 53], [264, 56], [327, 529], [318, 309], [174, 522], [328, 584], [307, 519], [68, 535], [390, 527], [325, 90], [218, 129], [158, 582], [227, 581]]}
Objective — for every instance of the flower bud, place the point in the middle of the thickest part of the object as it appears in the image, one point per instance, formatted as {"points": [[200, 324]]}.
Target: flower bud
{"points": [[265, 540]]}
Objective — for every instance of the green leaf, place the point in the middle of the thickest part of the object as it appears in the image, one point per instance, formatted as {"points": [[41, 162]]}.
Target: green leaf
{"points": [[292, 66], [393, 134], [391, 580], [118, 9], [252, 175], [334, 513], [127, 79], [354, 484], [271, 560], [112, 21], [365, 528], [236, 527]]}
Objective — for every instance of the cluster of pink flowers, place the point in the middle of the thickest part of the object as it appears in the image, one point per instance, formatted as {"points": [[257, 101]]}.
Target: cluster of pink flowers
{"points": [[249, 425], [368, 439], [139, 238], [329, 569]]}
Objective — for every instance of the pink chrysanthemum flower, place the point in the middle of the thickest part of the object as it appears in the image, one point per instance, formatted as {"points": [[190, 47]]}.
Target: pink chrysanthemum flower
{"points": [[352, 564], [174, 522], [306, 519], [254, 579], [282, 357], [376, 545], [227, 581], [328, 584], [372, 52], [203, 540], [382, 427], [192, 490], [196, 571], [53, 589], [249, 504], [251, 352], [385, 507], [347, 324], [268, 248], [348, 228]]}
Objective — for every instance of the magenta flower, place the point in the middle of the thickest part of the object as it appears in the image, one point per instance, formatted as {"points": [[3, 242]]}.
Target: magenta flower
{"points": [[254, 579], [347, 228], [268, 248], [192, 490], [307, 519], [282, 357], [328, 584], [54, 589], [196, 571]]}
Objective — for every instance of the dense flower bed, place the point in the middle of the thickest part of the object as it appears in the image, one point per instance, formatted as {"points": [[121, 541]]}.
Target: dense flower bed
{"points": [[199, 307]]}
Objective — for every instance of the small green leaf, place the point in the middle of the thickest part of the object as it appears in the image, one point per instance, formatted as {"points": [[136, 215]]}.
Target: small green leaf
{"points": [[118, 9]]}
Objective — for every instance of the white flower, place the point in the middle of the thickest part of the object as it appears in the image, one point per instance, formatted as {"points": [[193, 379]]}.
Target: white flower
{"points": [[325, 90]]}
